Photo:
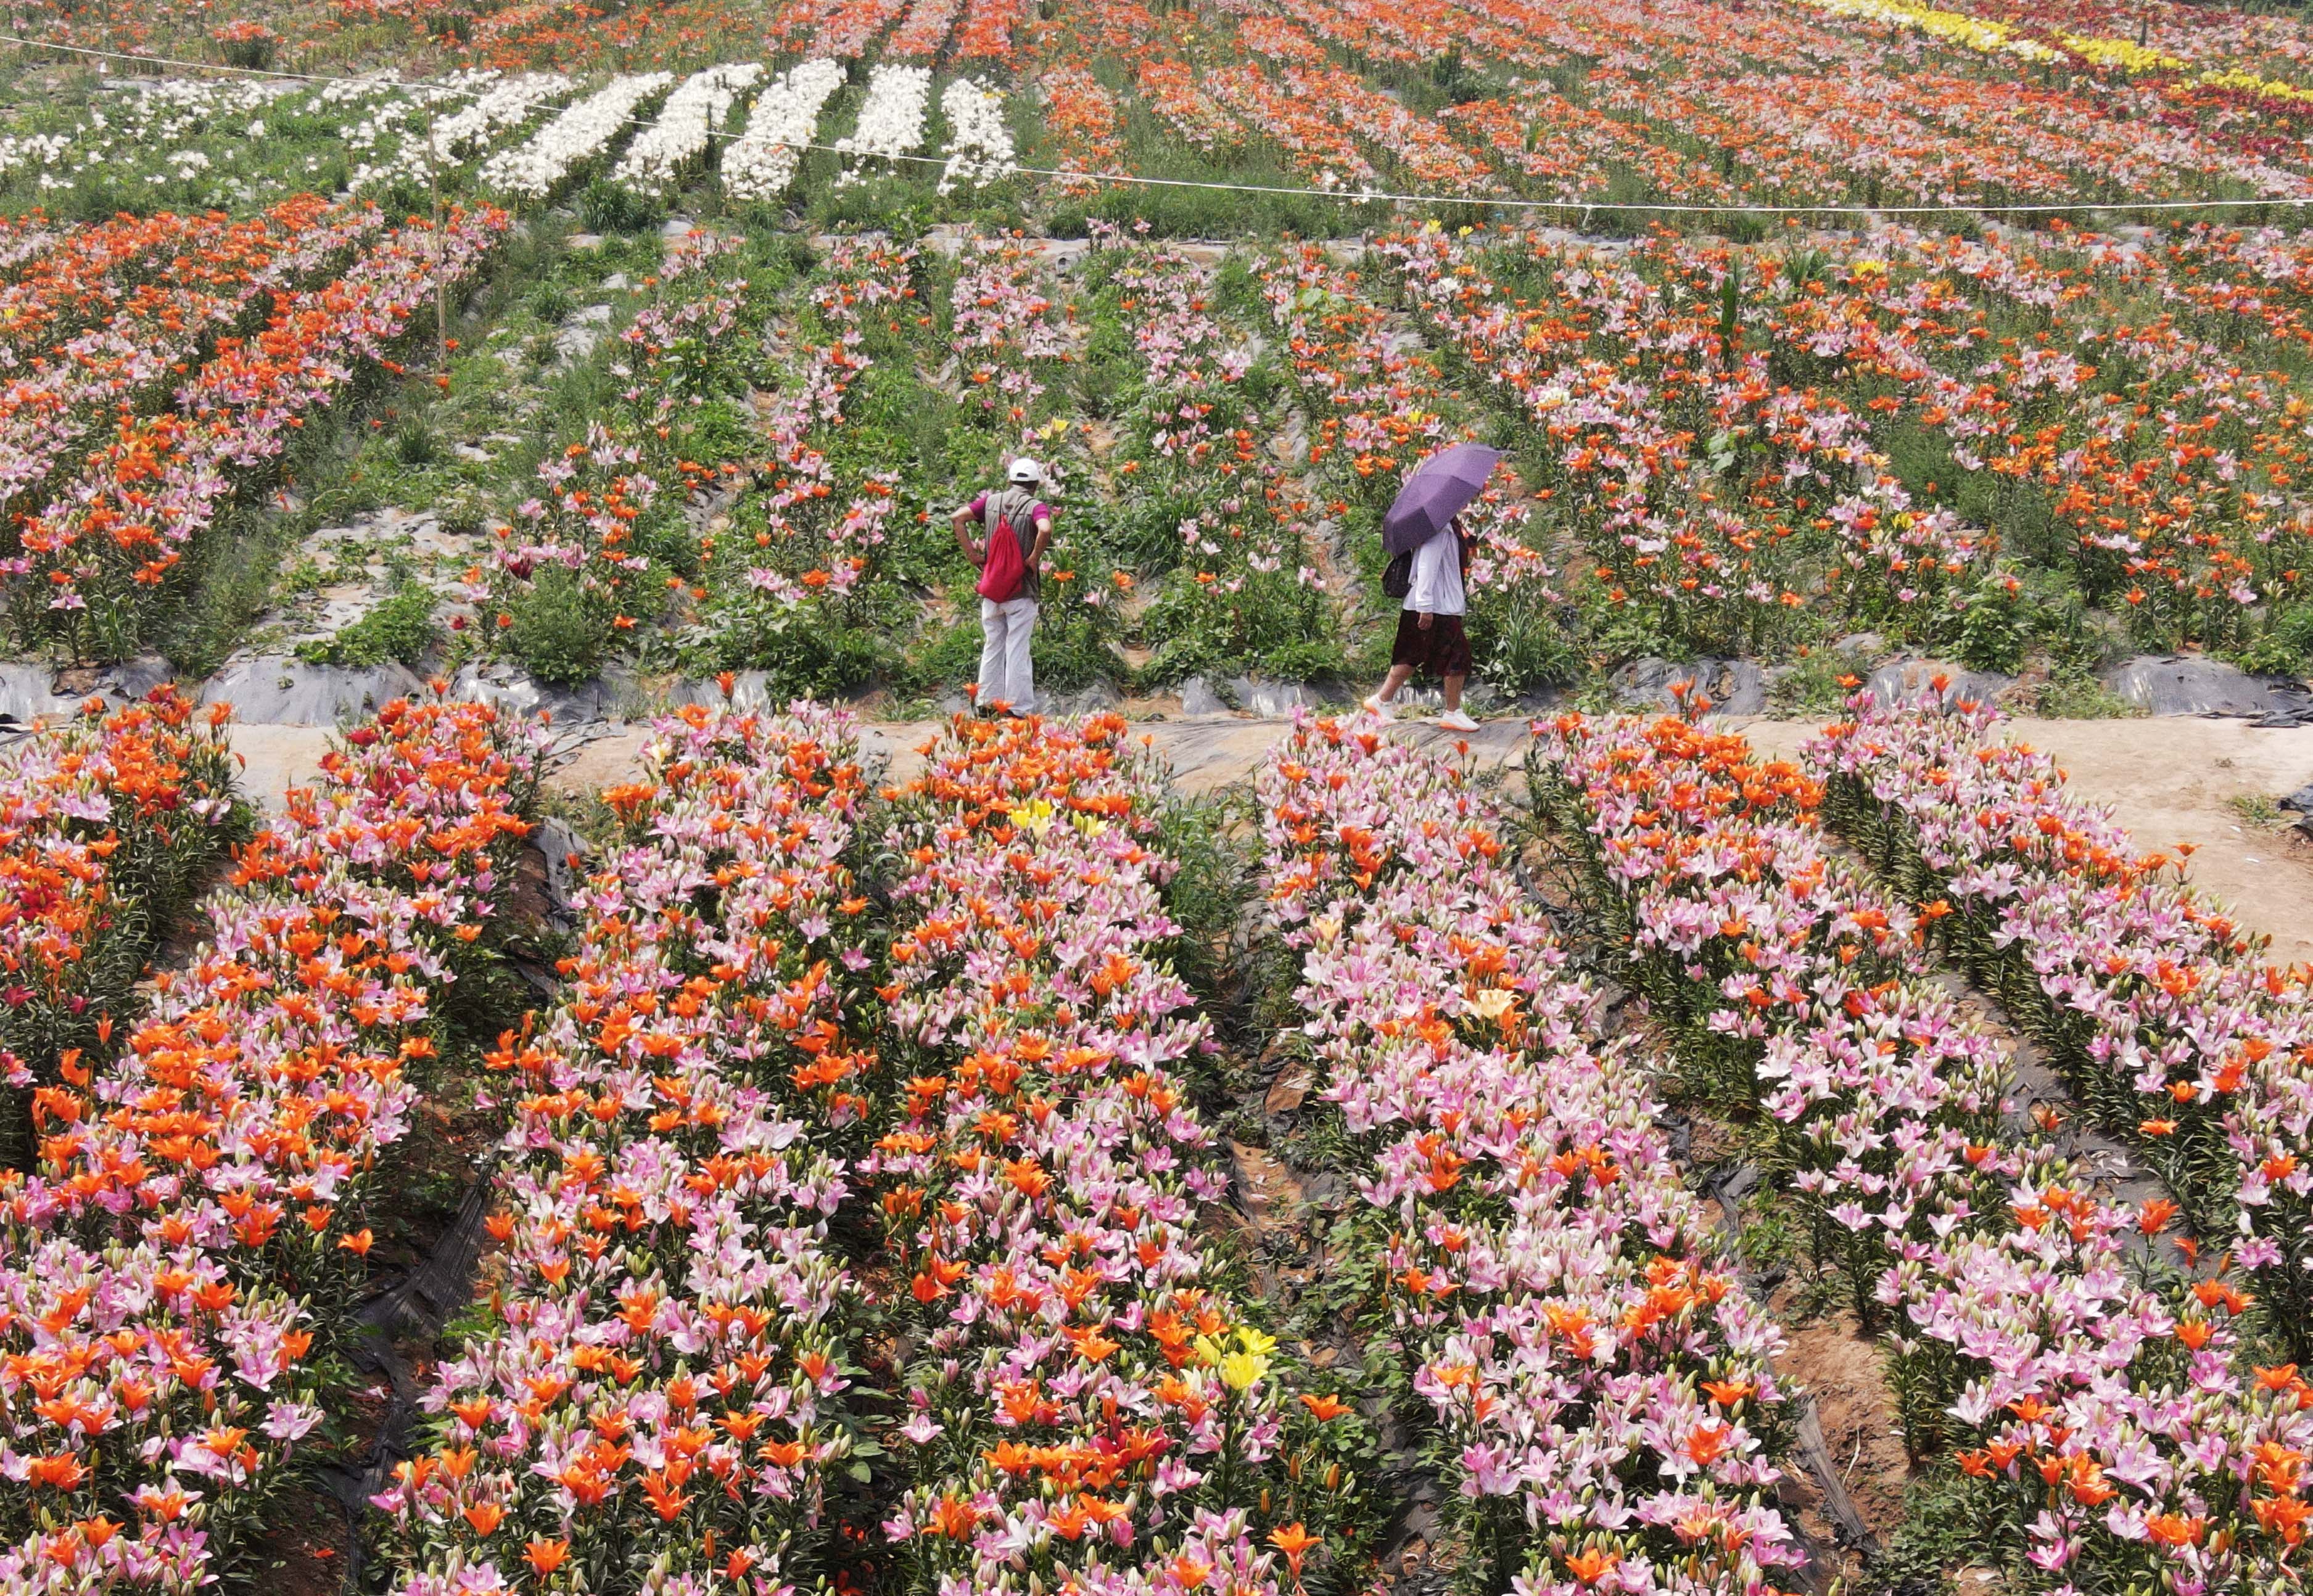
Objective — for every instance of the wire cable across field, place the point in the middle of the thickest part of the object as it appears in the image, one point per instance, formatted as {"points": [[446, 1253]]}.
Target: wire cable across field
{"points": [[1361, 196]]}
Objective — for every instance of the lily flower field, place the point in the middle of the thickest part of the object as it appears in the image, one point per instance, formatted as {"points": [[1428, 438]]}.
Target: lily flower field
{"points": [[1814, 334], [874, 1182], [551, 1044]]}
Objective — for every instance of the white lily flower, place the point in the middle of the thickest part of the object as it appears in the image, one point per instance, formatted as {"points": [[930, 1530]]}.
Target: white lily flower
{"points": [[980, 145], [661, 152], [576, 138], [891, 118], [762, 161]]}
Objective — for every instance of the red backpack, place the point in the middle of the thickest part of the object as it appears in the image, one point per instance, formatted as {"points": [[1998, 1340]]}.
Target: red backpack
{"points": [[1005, 567]]}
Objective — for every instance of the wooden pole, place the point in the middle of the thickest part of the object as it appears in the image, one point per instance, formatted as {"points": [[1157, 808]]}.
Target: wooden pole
{"points": [[433, 191]]}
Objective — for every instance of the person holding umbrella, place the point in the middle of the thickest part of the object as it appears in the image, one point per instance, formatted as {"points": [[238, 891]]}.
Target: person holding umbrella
{"points": [[1428, 564]]}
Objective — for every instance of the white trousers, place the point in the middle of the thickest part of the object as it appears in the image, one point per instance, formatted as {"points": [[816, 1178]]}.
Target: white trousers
{"points": [[1005, 671]]}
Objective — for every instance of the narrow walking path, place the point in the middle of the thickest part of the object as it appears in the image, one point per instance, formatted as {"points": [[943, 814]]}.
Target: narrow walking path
{"points": [[2169, 781]]}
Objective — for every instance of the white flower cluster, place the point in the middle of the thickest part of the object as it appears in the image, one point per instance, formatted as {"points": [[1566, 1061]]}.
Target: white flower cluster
{"points": [[340, 93], [980, 145], [384, 100], [230, 140], [178, 108], [661, 152], [40, 149], [504, 105], [572, 139], [892, 117], [391, 136], [762, 162]]}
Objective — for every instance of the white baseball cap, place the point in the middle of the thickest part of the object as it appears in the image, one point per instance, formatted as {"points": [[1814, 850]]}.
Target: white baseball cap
{"points": [[1025, 470]]}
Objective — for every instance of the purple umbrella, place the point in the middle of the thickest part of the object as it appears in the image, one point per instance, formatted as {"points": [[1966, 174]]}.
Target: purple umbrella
{"points": [[1433, 493]]}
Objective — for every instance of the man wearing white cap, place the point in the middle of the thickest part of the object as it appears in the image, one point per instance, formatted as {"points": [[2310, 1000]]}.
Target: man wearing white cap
{"points": [[1016, 526]]}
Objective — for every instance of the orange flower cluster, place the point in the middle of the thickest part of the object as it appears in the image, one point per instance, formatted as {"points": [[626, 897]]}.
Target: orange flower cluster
{"points": [[1084, 119], [82, 277], [1042, 1187], [106, 823], [1571, 150], [1171, 90], [662, 1366], [196, 1216], [985, 33], [97, 556]]}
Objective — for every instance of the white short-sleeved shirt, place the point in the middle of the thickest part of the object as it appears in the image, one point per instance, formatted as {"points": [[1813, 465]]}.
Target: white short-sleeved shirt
{"points": [[1437, 587]]}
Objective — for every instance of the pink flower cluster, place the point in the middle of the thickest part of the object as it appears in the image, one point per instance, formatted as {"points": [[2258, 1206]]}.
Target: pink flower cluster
{"points": [[1603, 1385], [2161, 1009], [1786, 980], [1378, 404], [1006, 335], [682, 348], [196, 1216], [1222, 514], [1684, 467], [1381, 406], [655, 1401], [846, 29], [818, 544], [2105, 1402], [114, 536], [1085, 1407], [923, 31]]}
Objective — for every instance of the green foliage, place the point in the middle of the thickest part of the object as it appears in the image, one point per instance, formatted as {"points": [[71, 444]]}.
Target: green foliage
{"points": [[252, 52], [1517, 642], [1208, 895], [1989, 624], [605, 206], [415, 445], [1202, 622], [1305, 658], [556, 633], [1617, 634], [2284, 648], [1950, 1523], [2009, 612], [462, 512], [716, 430], [805, 652], [2075, 695], [400, 628], [947, 656], [549, 301], [1811, 685], [1072, 648]]}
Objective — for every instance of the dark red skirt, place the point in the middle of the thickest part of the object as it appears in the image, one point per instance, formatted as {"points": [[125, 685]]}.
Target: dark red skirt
{"points": [[1443, 650]]}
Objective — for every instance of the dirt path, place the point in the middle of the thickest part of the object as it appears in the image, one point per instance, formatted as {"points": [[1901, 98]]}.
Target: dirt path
{"points": [[2167, 780]]}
